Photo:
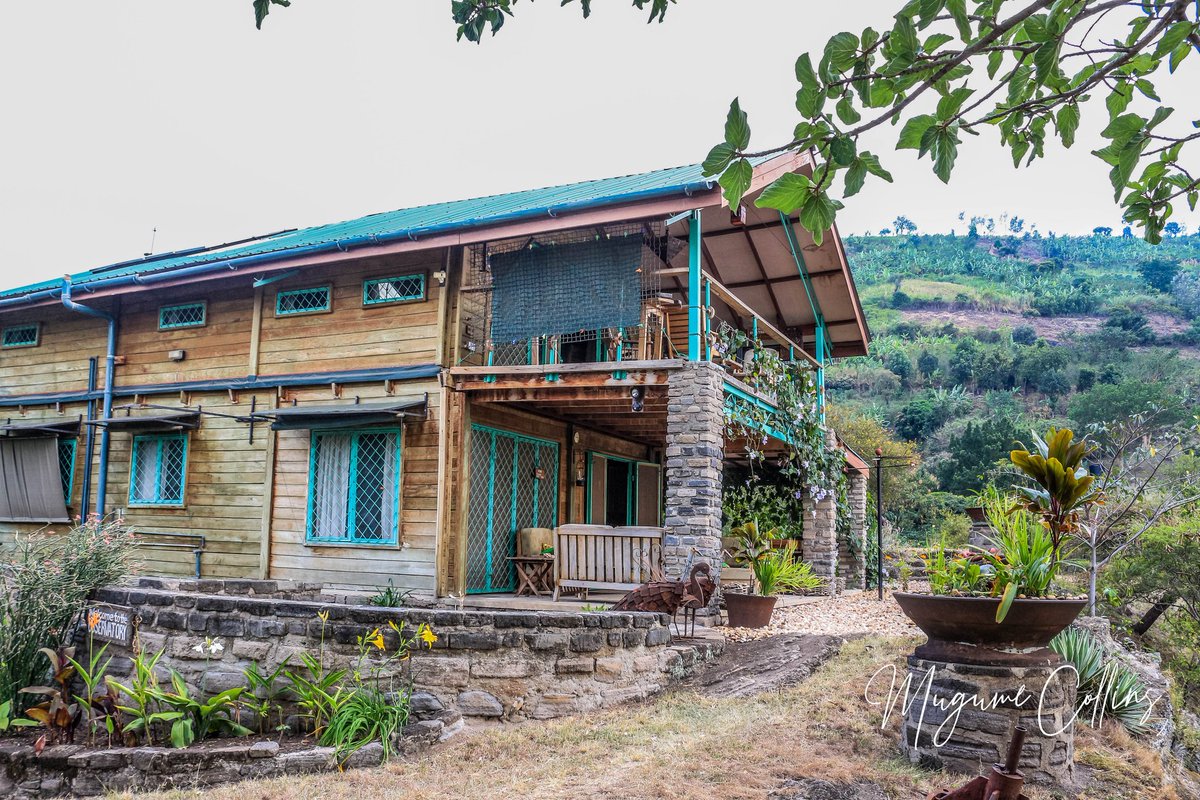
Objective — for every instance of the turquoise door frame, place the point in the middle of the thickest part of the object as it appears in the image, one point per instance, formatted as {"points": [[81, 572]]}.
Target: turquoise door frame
{"points": [[505, 495]]}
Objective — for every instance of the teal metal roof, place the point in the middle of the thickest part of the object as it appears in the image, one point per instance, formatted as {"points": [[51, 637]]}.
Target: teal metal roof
{"points": [[401, 224]]}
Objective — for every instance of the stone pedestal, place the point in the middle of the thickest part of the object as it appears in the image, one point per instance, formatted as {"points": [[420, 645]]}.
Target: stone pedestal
{"points": [[694, 462], [852, 551], [961, 717], [819, 545]]}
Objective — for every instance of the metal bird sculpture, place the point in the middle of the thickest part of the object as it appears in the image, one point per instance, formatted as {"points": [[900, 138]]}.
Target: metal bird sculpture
{"points": [[667, 597]]}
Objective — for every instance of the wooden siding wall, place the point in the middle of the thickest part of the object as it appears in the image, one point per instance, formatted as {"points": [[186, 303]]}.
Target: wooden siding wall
{"points": [[60, 362], [411, 564]]}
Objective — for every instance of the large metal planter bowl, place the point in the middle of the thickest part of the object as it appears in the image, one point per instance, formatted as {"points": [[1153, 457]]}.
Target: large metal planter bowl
{"points": [[966, 627], [749, 610]]}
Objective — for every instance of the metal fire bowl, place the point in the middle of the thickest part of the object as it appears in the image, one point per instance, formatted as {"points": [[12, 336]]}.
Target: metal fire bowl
{"points": [[960, 626]]}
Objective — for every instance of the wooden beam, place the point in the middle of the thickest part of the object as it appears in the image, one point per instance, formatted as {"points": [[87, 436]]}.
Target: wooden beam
{"points": [[773, 332], [824, 273], [568, 369], [762, 270]]}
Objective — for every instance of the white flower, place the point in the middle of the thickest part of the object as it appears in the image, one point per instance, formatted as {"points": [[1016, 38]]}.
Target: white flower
{"points": [[199, 648], [216, 647]]}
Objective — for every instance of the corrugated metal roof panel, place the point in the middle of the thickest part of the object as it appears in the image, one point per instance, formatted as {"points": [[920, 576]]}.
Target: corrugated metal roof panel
{"points": [[451, 215]]}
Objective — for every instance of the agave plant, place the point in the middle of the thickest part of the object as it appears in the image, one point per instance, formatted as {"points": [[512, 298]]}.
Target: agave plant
{"points": [[1062, 486]]}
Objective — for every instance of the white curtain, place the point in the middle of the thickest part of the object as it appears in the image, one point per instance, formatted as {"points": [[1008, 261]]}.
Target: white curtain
{"points": [[145, 471], [387, 505], [331, 486]]}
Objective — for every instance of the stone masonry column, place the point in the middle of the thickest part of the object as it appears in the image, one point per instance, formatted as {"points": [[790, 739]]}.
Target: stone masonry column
{"points": [[853, 551], [694, 460], [819, 545]]}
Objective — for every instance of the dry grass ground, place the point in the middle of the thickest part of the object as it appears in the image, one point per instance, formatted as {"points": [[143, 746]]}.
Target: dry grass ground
{"points": [[682, 745]]}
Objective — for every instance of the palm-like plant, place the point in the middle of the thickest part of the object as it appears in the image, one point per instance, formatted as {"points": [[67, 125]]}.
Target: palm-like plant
{"points": [[1062, 487]]}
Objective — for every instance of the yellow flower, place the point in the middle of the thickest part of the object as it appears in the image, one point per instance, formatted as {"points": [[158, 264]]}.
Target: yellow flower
{"points": [[392, 624], [93, 620], [427, 635], [376, 638], [323, 615]]}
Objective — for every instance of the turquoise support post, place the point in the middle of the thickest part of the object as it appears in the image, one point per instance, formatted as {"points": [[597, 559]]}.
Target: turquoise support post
{"points": [[707, 306], [694, 287], [821, 346]]}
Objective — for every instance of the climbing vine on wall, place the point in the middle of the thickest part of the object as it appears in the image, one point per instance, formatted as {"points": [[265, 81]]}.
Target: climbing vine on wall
{"points": [[812, 466]]}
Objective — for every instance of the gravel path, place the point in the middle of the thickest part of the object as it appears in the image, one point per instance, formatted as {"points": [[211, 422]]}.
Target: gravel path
{"points": [[844, 615]]}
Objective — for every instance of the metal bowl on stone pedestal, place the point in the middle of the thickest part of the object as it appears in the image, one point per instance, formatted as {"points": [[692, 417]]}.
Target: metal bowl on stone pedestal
{"points": [[964, 629]]}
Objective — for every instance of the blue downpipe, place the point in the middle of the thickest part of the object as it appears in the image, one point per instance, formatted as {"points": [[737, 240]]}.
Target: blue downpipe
{"points": [[110, 358]]}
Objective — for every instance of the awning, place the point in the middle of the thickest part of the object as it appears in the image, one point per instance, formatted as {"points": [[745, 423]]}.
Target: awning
{"points": [[43, 427], [343, 415], [158, 423]]}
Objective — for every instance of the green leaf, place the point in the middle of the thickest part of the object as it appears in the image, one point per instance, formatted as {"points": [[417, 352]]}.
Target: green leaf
{"points": [[1147, 88], [995, 59], [737, 127], [903, 40], [856, 175], [805, 72], [1123, 128], [809, 101], [718, 159], [1045, 60], [846, 111], [1175, 36], [841, 51], [817, 215], [1010, 594], [874, 167], [913, 130], [869, 37], [1118, 100], [263, 7], [945, 151], [958, 10], [949, 105], [1068, 123], [787, 193], [1178, 55], [735, 180], [181, 733], [842, 150], [937, 40]]}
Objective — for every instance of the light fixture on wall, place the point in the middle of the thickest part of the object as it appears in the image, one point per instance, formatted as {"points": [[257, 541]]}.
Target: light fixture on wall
{"points": [[638, 395], [177, 355], [440, 277]]}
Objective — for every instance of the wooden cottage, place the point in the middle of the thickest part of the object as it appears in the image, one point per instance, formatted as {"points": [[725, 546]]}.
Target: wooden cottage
{"points": [[394, 397]]}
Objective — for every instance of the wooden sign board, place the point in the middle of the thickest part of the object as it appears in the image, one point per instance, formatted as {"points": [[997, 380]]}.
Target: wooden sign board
{"points": [[113, 624]]}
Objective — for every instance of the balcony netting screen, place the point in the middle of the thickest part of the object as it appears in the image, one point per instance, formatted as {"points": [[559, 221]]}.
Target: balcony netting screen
{"points": [[566, 288]]}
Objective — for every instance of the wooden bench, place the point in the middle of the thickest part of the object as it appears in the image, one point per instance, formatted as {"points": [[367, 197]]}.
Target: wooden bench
{"points": [[602, 557]]}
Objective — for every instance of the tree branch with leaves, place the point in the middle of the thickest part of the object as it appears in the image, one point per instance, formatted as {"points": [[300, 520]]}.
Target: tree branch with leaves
{"points": [[1025, 69]]}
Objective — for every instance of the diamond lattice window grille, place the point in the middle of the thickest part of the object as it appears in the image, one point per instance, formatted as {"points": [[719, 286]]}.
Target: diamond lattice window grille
{"points": [[354, 487], [21, 336], [184, 315], [401, 289], [66, 467], [302, 301], [157, 468]]}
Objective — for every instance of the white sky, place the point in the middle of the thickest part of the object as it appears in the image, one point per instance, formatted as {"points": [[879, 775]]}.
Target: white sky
{"points": [[119, 117]]}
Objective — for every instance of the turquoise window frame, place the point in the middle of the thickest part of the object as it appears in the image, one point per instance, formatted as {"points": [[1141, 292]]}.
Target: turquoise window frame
{"points": [[36, 327], [328, 306], [631, 487], [414, 298], [349, 540], [67, 476], [159, 441], [175, 307]]}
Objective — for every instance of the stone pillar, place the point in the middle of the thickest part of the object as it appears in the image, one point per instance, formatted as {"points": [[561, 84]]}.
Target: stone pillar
{"points": [[819, 545], [694, 456], [993, 700], [852, 554]]}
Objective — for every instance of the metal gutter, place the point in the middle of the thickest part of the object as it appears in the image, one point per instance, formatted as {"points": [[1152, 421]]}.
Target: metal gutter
{"points": [[367, 240], [110, 360], [414, 372]]}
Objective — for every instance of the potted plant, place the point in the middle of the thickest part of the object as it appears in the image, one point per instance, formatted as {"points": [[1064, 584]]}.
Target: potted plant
{"points": [[1002, 597], [773, 570]]}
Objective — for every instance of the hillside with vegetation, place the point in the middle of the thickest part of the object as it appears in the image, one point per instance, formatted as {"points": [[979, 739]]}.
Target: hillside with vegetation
{"points": [[978, 339]]}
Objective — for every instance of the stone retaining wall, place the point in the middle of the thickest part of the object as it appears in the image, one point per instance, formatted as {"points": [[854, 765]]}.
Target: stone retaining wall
{"points": [[485, 664], [72, 770]]}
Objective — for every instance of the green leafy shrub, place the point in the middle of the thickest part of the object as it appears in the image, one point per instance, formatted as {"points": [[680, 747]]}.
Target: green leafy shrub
{"points": [[1107, 688], [44, 586], [779, 571]]}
